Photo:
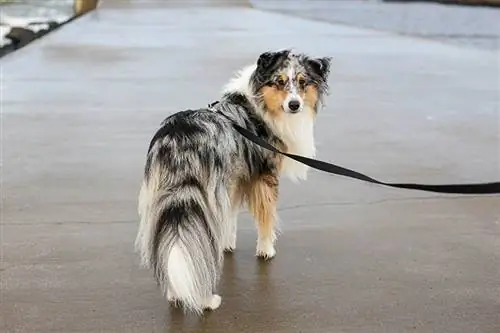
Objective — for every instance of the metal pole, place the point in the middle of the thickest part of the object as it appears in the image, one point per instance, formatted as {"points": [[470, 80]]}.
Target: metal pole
{"points": [[83, 6]]}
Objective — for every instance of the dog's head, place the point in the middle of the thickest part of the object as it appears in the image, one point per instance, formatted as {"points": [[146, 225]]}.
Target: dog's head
{"points": [[288, 83]]}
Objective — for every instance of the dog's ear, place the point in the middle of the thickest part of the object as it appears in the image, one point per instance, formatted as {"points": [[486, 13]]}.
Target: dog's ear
{"points": [[321, 66], [269, 59]]}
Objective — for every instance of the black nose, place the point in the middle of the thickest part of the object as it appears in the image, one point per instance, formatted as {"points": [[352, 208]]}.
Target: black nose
{"points": [[294, 105]]}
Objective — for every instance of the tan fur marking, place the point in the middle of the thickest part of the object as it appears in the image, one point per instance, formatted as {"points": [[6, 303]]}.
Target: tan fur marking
{"points": [[300, 78], [262, 200], [237, 194], [283, 77], [278, 158], [311, 97], [273, 100]]}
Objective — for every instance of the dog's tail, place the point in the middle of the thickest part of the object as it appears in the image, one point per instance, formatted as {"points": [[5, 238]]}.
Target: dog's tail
{"points": [[178, 238]]}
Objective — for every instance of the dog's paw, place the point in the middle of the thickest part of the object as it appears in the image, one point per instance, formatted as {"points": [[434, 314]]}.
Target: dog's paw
{"points": [[265, 250], [213, 302], [230, 244], [171, 296], [229, 249]]}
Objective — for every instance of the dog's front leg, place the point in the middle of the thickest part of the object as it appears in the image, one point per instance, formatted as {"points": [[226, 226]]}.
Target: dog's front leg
{"points": [[263, 198]]}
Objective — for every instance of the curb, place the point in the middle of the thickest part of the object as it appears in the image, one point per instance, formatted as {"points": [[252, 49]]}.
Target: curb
{"points": [[20, 36]]}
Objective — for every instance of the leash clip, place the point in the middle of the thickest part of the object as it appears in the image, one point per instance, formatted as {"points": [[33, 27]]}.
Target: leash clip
{"points": [[211, 105]]}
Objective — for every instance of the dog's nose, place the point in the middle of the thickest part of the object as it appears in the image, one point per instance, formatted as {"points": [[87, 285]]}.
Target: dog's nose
{"points": [[294, 105]]}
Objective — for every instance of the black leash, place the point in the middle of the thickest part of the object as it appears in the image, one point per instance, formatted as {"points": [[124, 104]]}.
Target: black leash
{"points": [[476, 188]]}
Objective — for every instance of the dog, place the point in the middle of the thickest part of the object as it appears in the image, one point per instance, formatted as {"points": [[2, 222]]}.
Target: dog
{"points": [[200, 173]]}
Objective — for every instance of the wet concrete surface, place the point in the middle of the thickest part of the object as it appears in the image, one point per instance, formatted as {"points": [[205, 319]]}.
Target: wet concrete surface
{"points": [[80, 106]]}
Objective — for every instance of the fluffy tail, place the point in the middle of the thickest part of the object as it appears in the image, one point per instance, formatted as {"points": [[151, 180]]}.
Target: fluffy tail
{"points": [[179, 239]]}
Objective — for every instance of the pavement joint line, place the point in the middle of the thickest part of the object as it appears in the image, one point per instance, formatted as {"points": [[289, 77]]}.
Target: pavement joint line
{"points": [[383, 201], [285, 208], [68, 223]]}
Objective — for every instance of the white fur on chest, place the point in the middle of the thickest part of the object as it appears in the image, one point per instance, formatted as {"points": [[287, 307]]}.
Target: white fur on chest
{"points": [[297, 131]]}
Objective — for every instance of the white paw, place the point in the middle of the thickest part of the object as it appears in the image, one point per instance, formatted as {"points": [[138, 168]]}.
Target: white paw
{"points": [[229, 240], [229, 249], [230, 244], [170, 295], [213, 302], [265, 249]]}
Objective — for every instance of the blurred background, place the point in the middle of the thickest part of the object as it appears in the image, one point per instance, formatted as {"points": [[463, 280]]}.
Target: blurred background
{"points": [[38, 9], [477, 26], [473, 23]]}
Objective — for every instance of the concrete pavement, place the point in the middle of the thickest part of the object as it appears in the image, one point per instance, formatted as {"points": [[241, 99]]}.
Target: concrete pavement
{"points": [[79, 108]]}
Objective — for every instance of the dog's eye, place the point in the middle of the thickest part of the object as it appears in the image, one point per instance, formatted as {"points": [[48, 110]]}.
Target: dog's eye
{"points": [[302, 81], [281, 82]]}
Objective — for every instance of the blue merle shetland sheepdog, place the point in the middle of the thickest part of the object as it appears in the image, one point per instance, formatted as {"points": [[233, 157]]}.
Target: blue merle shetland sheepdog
{"points": [[200, 173]]}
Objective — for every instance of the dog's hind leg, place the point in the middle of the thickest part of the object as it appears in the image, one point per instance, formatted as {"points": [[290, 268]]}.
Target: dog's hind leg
{"points": [[229, 240], [236, 197], [171, 296], [262, 201]]}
